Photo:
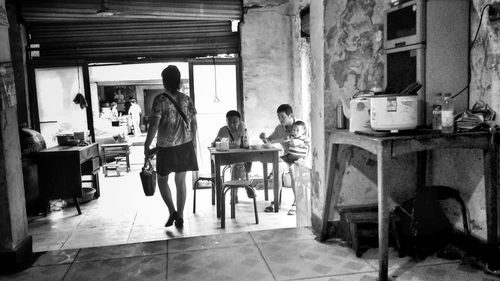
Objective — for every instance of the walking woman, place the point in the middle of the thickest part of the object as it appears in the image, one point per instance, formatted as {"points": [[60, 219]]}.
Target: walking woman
{"points": [[174, 119]]}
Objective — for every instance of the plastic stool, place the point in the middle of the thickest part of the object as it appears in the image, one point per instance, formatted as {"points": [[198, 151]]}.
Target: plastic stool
{"points": [[197, 185], [111, 166], [233, 186]]}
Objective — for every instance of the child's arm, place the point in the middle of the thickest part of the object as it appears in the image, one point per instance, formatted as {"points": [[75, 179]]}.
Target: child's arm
{"points": [[218, 137]]}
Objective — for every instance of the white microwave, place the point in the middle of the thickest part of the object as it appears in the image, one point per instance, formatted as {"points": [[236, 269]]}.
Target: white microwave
{"points": [[404, 24]]}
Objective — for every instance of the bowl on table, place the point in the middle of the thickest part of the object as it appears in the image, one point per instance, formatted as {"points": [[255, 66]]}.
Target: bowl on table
{"points": [[267, 146], [255, 146]]}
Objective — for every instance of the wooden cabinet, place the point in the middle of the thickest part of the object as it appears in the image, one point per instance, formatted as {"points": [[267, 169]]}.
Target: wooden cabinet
{"points": [[60, 171]]}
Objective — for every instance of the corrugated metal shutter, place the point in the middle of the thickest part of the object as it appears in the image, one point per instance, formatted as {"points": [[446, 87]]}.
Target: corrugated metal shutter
{"points": [[74, 10], [128, 40]]}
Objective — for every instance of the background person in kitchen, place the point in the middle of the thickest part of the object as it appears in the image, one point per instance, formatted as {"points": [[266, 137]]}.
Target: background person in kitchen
{"points": [[233, 131], [281, 135], [135, 115], [175, 148]]}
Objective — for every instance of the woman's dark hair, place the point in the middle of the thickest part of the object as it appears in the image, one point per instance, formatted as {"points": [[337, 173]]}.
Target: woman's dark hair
{"points": [[171, 77], [286, 108], [234, 113]]}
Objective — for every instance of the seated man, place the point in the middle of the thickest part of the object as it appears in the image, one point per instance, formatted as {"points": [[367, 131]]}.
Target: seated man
{"points": [[282, 134], [233, 131]]}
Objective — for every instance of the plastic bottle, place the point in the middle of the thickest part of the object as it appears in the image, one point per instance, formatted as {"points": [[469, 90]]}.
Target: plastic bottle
{"points": [[436, 111], [448, 114]]}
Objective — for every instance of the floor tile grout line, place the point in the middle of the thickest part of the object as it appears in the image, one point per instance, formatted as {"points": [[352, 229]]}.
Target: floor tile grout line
{"points": [[118, 258], [132, 227], [166, 263], [76, 227], [71, 265], [329, 275], [369, 264], [263, 258]]}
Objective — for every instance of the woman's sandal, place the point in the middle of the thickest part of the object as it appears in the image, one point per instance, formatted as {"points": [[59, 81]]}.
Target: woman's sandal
{"points": [[270, 208], [171, 219], [292, 210]]}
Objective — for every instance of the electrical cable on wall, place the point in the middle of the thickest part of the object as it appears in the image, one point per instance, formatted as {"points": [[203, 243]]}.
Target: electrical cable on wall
{"points": [[470, 48], [79, 98], [78, 75]]}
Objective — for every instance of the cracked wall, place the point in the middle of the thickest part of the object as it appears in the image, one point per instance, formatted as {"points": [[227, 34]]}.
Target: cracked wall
{"points": [[353, 61]]}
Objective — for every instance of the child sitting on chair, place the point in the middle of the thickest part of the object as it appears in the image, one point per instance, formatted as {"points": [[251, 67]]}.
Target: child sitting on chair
{"points": [[233, 131], [298, 142]]}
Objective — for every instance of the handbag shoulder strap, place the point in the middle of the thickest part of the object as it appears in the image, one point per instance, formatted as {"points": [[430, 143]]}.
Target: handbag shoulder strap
{"points": [[177, 107]]}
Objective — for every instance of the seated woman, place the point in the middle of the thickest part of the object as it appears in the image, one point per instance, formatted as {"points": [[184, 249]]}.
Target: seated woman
{"points": [[233, 131]]}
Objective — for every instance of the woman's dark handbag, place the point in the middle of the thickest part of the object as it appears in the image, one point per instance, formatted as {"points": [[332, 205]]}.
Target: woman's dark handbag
{"points": [[148, 178]]}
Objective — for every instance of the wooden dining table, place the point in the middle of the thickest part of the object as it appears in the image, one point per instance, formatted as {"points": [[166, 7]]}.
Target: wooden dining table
{"points": [[240, 155]]}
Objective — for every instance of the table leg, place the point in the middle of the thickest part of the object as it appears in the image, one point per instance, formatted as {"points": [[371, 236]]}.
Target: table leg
{"points": [[264, 168], [490, 184], [383, 159], [95, 176], [218, 185], [277, 186], [77, 204], [128, 160], [335, 170]]}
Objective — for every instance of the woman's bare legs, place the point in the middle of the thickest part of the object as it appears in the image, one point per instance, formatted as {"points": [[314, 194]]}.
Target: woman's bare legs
{"points": [[180, 184], [165, 193]]}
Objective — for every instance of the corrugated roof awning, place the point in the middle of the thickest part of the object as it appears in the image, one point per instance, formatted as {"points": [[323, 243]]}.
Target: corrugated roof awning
{"points": [[113, 41], [66, 30]]}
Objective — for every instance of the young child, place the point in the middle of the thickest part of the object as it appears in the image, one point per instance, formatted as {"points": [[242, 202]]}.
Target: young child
{"points": [[298, 142]]}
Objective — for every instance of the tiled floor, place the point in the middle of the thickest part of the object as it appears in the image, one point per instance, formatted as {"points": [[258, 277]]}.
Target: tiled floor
{"points": [[124, 215], [121, 236], [279, 254]]}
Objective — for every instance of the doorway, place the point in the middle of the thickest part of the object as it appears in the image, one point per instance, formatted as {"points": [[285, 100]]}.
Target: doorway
{"points": [[215, 89], [123, 214]]}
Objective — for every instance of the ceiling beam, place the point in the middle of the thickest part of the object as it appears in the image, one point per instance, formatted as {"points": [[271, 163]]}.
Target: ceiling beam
{"points": [[86, 10]]}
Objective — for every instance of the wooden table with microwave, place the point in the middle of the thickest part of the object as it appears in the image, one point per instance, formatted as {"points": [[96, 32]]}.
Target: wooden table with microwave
{"points": [[388, 147], [60, 171]]}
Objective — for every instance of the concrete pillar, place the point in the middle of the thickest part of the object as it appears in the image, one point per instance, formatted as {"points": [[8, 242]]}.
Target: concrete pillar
{"points": [[318, 185], [15, 243], [18, 41]]}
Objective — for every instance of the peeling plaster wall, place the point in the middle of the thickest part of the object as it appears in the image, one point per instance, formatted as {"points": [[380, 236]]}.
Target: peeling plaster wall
{"points": [[353, 62], [353, 50], [485, 59], [267, 62]]}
